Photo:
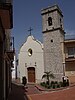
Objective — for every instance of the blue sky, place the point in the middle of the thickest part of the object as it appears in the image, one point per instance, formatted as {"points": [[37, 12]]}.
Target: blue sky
{"points": [[27, 13]]}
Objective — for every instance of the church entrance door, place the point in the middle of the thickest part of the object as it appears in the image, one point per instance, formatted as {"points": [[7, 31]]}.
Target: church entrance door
{"points": [[31, 74]]}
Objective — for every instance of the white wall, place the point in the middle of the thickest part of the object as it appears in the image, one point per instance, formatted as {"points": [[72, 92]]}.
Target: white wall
{"points": [[14, 68], [37, 56]]}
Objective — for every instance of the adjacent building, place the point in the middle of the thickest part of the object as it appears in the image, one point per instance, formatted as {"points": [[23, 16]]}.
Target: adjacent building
{"points": [[69, 48], [6, 47]]}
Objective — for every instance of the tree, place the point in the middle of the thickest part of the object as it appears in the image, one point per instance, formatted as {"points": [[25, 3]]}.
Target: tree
{"points": [[48, 75]]}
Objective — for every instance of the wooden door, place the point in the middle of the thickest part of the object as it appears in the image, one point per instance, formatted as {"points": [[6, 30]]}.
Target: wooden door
{"points": [[31, 74]]}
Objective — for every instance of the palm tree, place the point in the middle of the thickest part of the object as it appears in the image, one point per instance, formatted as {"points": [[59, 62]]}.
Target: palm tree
{"points": [[48, 75]]}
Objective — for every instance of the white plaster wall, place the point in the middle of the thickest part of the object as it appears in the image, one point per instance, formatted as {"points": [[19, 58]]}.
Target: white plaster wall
{"points": [[14, 68], [37, 56]]}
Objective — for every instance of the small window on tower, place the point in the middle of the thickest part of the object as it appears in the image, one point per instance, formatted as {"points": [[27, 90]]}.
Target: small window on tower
{"points": [[51, 40], [49, 21], [60, 22]]}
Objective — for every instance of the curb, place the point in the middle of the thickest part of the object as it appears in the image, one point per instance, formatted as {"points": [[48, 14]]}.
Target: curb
{"points": [[41, 89], [29, 98], [19, 84]]}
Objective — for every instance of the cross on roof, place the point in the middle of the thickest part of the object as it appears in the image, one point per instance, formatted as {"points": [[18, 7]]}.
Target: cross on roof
{"points": [[30, 30]]}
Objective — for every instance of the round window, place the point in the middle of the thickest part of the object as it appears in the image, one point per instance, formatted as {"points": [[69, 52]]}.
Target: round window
{"points": [[30, 52]]}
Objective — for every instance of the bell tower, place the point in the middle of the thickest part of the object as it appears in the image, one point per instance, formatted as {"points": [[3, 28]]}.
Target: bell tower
{"points": [[53, 39]]}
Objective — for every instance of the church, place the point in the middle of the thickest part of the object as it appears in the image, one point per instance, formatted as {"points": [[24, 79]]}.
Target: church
{"points": [[56, 54], [31, 62]]}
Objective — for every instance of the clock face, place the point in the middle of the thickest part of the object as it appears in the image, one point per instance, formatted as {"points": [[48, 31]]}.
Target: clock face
{"points": [[30, 52]]}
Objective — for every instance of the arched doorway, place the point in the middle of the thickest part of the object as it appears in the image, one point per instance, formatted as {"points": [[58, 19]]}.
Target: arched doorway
{"points": [[31, 74]]}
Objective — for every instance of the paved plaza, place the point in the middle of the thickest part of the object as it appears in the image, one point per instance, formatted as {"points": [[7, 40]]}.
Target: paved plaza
{"points": [[33, 92], [67, 93]]}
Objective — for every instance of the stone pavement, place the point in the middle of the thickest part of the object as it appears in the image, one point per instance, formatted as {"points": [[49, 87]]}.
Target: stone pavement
{"points": [[34, 93], [67, 93], [17, 93], [32, 89]]}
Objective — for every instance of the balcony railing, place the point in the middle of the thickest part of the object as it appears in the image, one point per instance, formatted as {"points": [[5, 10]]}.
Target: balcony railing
{"points": [[11, 51], [12, 43], [70, 58], [5, 5]]}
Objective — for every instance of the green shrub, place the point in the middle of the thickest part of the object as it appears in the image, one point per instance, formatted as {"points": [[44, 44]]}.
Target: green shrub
{"points": [[53, 86], [48, 86], [47, 82], [58, 86], [56, 82], [43, 84], [52, 82], [61, 84]]}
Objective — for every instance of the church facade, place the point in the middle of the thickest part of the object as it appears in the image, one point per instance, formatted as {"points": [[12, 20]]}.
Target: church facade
{"points": [[31, 60]]}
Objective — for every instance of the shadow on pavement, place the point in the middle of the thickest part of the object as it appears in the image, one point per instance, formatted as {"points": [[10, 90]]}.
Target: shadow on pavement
{"points": [[17, 93]]}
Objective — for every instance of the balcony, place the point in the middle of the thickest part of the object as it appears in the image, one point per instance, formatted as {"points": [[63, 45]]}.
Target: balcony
{"points": [[70, 58], [10, 53], [69, 50], [2, 33], [6, 15]]}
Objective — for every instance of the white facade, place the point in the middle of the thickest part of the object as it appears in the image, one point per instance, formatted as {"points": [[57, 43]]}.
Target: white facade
{"points": [[31, 62], [14, 68]]}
